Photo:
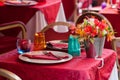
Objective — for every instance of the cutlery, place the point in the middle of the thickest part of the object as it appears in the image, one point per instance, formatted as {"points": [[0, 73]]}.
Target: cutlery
{"points": [[51, 54], [24, 2], [49, 45]]}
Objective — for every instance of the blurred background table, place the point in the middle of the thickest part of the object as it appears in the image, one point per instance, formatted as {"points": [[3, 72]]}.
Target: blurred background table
{"points": [[113, 15], [70, 7], [79, 68], [35, 17]]}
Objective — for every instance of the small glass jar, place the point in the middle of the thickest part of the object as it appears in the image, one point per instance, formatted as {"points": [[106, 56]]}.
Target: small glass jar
{"points": [[23, 45], [39, 41]]}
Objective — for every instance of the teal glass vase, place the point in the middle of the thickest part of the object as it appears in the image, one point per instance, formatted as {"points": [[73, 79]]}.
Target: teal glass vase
{"points": [[73, 46]]}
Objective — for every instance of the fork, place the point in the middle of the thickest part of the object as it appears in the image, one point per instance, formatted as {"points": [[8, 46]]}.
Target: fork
{"points": [[50, 54]]}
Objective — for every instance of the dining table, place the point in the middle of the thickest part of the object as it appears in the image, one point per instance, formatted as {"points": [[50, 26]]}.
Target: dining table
{"points": [[35, 17], [77, 68]]}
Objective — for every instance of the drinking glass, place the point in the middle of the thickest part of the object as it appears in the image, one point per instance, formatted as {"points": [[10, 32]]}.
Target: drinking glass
{"points": [[23, 45]]}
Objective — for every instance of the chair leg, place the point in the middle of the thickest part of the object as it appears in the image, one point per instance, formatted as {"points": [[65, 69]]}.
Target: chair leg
{"points": [[119, 75]]}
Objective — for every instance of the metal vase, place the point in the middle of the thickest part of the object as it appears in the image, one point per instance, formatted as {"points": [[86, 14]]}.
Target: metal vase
{"points": [[94, 49], [99, 45], [89, 48]]}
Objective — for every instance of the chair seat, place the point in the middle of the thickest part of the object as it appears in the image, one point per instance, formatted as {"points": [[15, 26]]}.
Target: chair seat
{"points": [[7, 43]]}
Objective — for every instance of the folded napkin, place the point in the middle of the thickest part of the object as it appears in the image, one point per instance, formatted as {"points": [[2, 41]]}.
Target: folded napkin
{"points": [[47, 56], [58, 45]]}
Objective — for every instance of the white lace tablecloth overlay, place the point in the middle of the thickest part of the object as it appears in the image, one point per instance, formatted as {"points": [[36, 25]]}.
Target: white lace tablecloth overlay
{"points": [[114, 73]]}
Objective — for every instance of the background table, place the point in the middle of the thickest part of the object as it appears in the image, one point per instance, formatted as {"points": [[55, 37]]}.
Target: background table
{"points": [[113, 16], [35, 17], [69, 6], [79, 68]]}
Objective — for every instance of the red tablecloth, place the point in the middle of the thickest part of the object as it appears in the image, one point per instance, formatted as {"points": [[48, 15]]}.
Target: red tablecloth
{"points": [[113, 16], [24, 13], [79, 68]]}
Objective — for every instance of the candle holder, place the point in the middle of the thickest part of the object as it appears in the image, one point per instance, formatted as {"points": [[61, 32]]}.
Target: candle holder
{"points": [[39, 41]]}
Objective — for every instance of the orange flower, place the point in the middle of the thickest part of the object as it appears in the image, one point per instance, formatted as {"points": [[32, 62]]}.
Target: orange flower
{"points": [[80, 32], [110, 36]]}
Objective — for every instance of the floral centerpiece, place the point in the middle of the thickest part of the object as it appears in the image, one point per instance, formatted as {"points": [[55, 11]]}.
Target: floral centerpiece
{"points": [[91, 28], [92, 33]]}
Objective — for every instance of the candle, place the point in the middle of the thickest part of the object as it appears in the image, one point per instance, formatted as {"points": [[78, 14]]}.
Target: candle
{"points": [[103, 5]]}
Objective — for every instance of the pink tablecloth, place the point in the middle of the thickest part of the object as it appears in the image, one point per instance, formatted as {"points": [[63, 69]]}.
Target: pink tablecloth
{"points": [[24, 13], [79, 68], [113, 16]]}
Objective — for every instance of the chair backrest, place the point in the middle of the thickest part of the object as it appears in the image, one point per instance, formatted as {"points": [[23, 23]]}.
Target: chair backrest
{"points": [[51, 34], [98, 16], [91, 14], [15, 27], [9, 75], [116, 47], [9, 33]]}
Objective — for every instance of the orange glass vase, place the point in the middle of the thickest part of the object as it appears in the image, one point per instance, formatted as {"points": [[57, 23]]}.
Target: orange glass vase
{"points": [[39, 41]]}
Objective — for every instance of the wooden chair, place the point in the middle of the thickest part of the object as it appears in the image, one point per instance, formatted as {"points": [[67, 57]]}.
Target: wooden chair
{"points": [[9, 75], [51, 34], [9, 34], [116, 47], [98, 16], [91, 14]]}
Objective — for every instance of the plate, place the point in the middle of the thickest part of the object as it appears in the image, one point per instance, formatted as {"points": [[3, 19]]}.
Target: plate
{"points": [[19, 3], [60, 45], [43, 61]]}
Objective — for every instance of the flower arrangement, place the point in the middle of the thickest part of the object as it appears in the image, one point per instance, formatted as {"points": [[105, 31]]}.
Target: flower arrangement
{"points": [[91, 28]]}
